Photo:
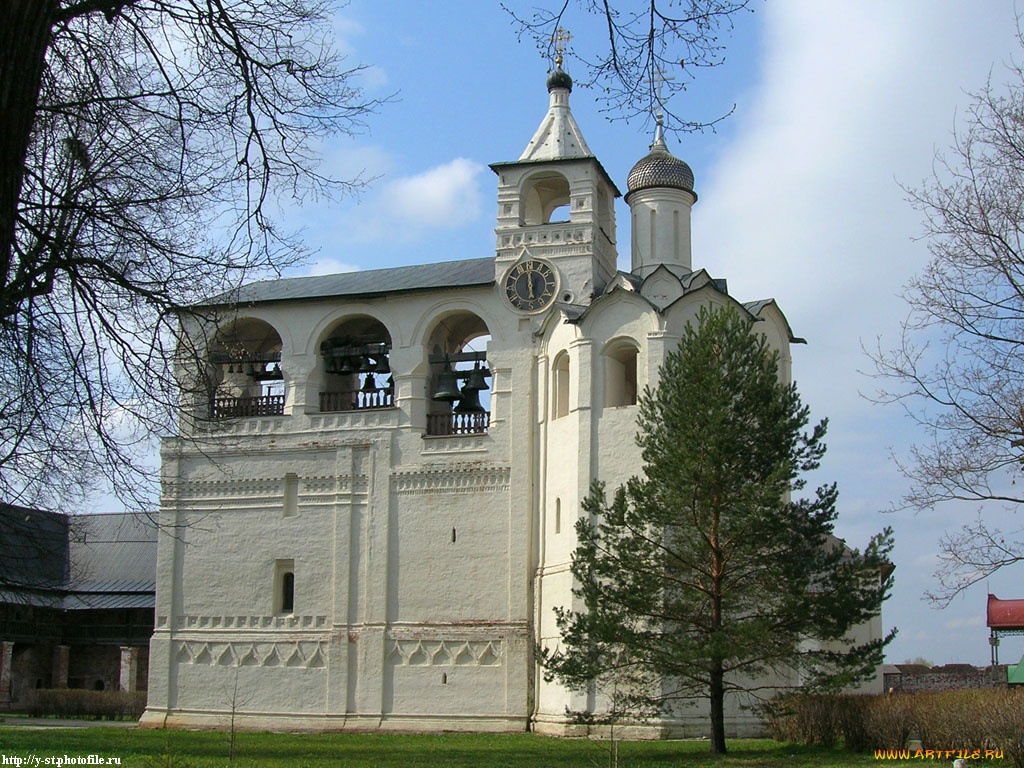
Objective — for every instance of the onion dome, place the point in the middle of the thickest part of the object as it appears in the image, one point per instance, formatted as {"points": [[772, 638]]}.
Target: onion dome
{"points": [[660, 168], [559, 79]]}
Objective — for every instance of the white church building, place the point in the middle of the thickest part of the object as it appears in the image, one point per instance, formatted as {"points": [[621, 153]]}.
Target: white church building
{"points": [[376, 524]]}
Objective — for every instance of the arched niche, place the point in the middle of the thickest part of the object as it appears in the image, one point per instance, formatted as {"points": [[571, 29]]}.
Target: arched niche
{"points": [[245, 370], [560, 385], [458, 388], [620, 369], [354, 366], [542, 195]]}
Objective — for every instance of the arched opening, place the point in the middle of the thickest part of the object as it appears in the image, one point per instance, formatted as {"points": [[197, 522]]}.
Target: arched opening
{"points": [[459, 393], [245, 358], [620, 374], [560, 386], [543, 195], [356, 369]]}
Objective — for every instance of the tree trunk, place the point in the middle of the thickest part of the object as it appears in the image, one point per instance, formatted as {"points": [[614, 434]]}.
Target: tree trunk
{"points": [[24, 39], [716, 691], [716, 694]]}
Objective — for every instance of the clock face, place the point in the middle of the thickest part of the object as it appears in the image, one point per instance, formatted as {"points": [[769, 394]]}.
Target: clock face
{"points": [[530, 285]]}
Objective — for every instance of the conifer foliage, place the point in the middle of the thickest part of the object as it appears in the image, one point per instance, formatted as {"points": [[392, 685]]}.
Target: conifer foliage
{"points": [[704, 578]]}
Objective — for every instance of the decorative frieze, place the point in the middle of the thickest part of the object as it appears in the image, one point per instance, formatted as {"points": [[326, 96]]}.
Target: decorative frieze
{"points": [[239, 492], [251, 426], [460, 444], [298, 654], [444, 653], [451, 478], [245, 622], [371, 418], [544, 235]]}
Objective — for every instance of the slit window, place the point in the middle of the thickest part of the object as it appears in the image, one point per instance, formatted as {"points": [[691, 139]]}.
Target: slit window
{"points": [[284, 586]]}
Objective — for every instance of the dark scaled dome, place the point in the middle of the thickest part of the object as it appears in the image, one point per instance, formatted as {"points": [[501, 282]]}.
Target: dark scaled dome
{"points": [[559, 79], [660, 168]]}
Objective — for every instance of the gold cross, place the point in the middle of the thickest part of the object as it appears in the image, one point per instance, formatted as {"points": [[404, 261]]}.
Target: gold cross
{"points": [[559, 39], [657, 79]]}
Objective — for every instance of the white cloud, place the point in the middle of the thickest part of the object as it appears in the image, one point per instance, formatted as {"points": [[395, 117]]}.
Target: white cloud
{"points": [[445, 196], [330, 266], [965, 622]]}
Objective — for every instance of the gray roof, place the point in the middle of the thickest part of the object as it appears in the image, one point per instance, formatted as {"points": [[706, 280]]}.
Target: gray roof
{"points": [[95, 561], [112, 548], [443, 275], [33, 547]]}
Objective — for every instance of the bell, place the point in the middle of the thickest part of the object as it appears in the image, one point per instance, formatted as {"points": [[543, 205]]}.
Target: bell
{"points": [[252, 369], [346, 369], [470, 402], [476, 382], [369, 385], [331, 364], [231, 367], [447, 386], [382, 365]]}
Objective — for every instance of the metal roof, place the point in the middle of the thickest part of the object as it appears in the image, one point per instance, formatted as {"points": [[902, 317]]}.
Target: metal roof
{"points": [[33, 547], [660, 168], [1005, 614], [464, 273], [77, 561]]}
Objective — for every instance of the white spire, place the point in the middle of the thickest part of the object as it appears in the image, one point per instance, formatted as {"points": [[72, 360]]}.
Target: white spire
{"points": [[558, 137]]}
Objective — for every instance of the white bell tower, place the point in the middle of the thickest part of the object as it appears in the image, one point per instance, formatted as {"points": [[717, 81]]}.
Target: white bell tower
{"points": [[556, 203]]}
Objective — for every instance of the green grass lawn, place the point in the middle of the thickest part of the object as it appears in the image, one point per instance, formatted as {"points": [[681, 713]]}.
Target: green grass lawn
{"points": [[189, 749]]}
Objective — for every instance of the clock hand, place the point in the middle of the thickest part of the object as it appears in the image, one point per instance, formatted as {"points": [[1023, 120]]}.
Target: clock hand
{"points": [[529, 282]]}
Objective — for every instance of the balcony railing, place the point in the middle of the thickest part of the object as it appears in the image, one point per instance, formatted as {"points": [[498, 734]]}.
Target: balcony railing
{"points": [[439, 424], [356, 401], [244, 407]]}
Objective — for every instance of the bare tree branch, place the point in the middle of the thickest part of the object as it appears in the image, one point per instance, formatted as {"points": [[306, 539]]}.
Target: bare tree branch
{"points": [[958, 369], [144, 142], [648, 52]]}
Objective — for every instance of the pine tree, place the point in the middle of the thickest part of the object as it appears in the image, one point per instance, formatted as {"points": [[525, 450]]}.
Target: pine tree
{"points": [[704, 577]]}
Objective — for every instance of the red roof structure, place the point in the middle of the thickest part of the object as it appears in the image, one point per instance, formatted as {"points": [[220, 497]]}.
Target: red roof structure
{"points": [[1005, 614]]}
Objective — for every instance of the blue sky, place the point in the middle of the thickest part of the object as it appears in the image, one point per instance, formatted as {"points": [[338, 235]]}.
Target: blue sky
{"points": [[837, 103]]}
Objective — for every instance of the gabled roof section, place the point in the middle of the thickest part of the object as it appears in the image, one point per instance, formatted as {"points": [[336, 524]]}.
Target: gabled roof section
{"points": [[756, 307], [368, 283], [690, 282]]}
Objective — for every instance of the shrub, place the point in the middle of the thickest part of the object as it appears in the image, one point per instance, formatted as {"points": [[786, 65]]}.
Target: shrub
{"points": [[975, 719], [888, 720], [97, 705]]}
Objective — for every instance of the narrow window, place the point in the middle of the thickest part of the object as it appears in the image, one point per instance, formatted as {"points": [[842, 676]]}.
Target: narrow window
{"points": [[560, 400], [558, 515], [287, 592], [291, 495], [284, 586], [444, 678], [453, 535]]}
